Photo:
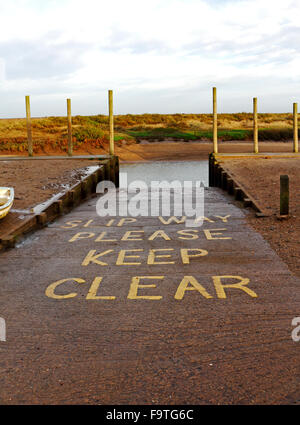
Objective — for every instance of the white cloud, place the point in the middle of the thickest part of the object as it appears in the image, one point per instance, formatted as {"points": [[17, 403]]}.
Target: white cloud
{"points": [[175, 49]]}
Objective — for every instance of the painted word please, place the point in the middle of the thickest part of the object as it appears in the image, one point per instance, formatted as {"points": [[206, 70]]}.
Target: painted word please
{"points": [[139, 235]]}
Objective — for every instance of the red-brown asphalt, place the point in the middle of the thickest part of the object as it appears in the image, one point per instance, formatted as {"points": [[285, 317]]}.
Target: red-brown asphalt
{"points": [[236, 350]]}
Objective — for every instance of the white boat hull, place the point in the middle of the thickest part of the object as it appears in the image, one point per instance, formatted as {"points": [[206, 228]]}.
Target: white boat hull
{"points": [[6, 200]]}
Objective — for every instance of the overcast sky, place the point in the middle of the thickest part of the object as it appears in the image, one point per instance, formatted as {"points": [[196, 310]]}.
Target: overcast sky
{"points": [[159, 56]]}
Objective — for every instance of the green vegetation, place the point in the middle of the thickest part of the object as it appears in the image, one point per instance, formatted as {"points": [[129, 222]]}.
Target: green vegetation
{"points": [[163, 133]]}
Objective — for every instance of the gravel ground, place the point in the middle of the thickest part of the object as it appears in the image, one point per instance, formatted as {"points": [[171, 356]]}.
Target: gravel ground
{"points": [[261, 178], [36, 181]]}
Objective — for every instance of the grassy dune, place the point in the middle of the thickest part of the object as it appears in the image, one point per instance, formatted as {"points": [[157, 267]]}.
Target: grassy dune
{"points": [[52, 131]]}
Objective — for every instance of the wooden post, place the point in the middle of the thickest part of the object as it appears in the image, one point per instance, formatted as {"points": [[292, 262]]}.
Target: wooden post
{"points": [[255, 126], [284, 195], [111, 123], [70, 141], [215, 121], [28, 122], [295, 126]]}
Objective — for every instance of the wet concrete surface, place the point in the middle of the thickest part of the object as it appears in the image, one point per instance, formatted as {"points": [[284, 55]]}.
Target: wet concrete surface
{"points": [[173, 335]]}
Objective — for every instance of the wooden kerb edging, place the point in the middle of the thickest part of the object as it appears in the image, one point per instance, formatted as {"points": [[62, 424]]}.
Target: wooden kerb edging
{"points": [[219, 176], [81, 191]]}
